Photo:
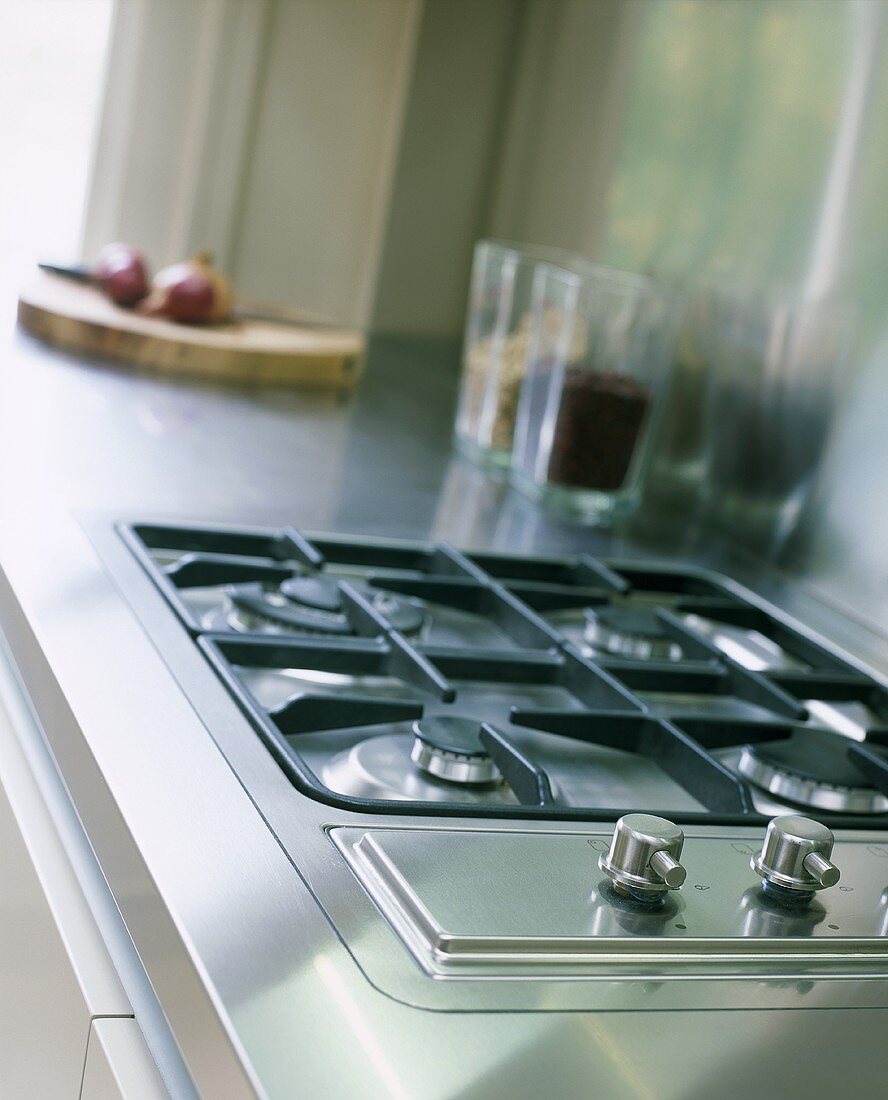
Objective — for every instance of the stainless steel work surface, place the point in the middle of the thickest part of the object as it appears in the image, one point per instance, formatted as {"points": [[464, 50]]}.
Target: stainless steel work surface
{"points": [[234, 895]]}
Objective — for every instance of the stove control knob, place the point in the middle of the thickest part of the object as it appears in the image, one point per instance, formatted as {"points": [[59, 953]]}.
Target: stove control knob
{"points": [[794, 861], [643, 858]]}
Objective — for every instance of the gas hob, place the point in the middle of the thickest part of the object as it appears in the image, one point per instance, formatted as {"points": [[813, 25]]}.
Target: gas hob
{"points": [[404, 678], [515, 775]]}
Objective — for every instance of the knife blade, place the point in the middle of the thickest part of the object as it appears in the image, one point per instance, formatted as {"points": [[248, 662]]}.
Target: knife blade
{"points": [[78, 272]]}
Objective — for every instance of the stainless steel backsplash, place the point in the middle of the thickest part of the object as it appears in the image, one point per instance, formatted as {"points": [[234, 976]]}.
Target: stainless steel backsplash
{"points": [[751, 169]]}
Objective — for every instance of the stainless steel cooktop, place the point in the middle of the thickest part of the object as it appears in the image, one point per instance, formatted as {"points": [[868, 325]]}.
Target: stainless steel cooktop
{"points": [[616, 784]]}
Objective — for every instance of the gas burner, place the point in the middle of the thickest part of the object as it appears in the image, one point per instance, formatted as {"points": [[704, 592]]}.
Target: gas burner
{"points": [[320, 593], [811, 768], [440, 759], [629, 632], [309, 604], [450, 747], [252, 608]]}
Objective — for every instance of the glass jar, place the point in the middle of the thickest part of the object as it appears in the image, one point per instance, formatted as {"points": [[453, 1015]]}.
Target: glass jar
{"points": [[770, 406], [598, 363], [496, 342]]}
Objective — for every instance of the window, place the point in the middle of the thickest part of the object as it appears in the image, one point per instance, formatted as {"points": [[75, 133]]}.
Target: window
{"points": [[52, 59]]}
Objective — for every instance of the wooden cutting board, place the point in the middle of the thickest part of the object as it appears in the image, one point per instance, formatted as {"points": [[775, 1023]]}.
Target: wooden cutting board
{"points": [[79, 318]]}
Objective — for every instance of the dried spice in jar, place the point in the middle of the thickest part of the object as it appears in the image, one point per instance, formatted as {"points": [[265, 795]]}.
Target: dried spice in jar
{"points": [[599, 422], [510, 373], [504, 375]]}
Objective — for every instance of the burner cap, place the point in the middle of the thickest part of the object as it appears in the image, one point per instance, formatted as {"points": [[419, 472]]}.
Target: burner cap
{"points": [[407, 616], [630, 632], [254, 601], [315, 605], [811, 768], [321, 592], [450, 747]]}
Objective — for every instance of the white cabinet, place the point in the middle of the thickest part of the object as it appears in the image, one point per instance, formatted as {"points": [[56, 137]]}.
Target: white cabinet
{"points": [[55, 971], [119, 1065]]}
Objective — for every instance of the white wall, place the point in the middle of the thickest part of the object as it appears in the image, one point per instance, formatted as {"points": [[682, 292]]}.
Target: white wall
{"points": [[264, 130], [343, 156], [511, 131], [562, 123], [328, 121], [179, 92], [447, 152]]}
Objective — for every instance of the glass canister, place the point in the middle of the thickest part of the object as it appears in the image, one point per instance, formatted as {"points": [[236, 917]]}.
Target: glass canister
{"points": [[770, 406], [496, 341], [598, 364]]}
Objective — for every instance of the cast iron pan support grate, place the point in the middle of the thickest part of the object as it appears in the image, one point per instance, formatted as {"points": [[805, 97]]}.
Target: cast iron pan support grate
{"points": [[512, 591]]}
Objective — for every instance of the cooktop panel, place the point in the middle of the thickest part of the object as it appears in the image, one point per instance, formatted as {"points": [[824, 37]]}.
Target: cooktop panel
{"points": [[495, 903]]}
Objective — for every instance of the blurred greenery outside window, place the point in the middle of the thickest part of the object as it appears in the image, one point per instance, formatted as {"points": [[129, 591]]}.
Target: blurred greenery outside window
{"points": [[728, 136]]}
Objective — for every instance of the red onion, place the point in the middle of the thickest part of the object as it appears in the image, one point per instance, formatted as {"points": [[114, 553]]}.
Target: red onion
{"points": [[122, 274], [192, 292]]}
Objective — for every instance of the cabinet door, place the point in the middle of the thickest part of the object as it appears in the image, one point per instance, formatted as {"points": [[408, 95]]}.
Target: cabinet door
{"points": [[55, 972], [119, 1065]]}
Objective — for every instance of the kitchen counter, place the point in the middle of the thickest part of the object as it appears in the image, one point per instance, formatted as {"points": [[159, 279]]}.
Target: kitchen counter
{"points": [[79, 438], [251, 975], [374, 461]]}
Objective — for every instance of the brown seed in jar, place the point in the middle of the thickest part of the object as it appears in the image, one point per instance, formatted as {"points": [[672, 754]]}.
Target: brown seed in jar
{"points": [[597, 429]]}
